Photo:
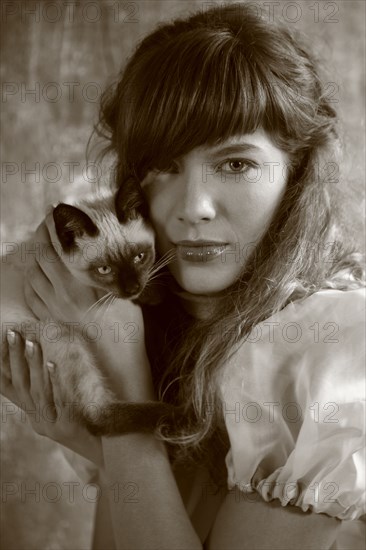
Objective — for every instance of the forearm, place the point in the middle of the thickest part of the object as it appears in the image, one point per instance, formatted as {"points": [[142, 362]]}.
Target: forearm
{"points": [[155, 516], [124, 362], [103, 536], [260, 525]]}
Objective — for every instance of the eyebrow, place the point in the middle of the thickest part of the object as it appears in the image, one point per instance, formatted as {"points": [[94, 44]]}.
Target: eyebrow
{"points": [[232, 149]]}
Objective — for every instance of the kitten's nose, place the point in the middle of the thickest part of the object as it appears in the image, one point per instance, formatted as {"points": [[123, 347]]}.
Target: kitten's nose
{"points": [[132, 288]]}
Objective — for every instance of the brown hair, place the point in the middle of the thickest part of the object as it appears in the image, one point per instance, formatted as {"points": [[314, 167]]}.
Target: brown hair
{"points": [[198, 81]]}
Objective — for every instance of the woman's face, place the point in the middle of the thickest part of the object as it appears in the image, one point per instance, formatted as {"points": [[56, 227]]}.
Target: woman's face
{"points": [[213, 205]]}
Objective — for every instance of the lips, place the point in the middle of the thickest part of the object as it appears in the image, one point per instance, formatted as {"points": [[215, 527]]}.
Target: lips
{"points": [[200, 251]]}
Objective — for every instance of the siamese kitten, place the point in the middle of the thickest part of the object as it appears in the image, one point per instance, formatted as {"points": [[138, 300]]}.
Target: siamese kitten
{"points": [[107, 243]]}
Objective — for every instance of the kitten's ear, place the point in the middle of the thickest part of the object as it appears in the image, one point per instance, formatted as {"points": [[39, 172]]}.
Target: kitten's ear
{"points": [[130, 202], [71, 222]]}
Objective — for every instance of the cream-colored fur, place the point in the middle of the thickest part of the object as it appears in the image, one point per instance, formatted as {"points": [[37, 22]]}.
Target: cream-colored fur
{"points": [[80, 380]]}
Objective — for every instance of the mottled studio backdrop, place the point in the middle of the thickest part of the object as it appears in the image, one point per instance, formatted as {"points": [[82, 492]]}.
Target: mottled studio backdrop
{"points": [[56, 59]]}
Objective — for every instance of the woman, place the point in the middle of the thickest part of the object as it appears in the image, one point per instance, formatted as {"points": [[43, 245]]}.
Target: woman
{"points": [[224, 120]]}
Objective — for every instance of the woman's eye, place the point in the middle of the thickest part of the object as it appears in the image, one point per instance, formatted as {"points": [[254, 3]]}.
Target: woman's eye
{"points": [[139, 258], [104, 269], [235, 166]]}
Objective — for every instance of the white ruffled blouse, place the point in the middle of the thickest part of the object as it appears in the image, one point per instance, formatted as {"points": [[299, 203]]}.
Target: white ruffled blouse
{"points": [[294, 406]]}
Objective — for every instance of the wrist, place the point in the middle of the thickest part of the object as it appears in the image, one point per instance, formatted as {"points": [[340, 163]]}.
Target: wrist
{"points": [[128, 372], [139, 392], [89, 448], [139, 446]]}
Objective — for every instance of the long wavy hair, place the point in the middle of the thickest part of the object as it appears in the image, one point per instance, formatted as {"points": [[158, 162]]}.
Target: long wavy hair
{"points": [[200, 80]]}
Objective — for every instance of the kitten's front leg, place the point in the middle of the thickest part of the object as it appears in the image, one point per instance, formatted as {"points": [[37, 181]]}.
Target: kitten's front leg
{"points": [[38, 393], [90, 398]]}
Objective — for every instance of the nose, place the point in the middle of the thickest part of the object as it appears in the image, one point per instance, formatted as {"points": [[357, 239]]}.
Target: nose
{"points": [[132, 288], [196, 202]]}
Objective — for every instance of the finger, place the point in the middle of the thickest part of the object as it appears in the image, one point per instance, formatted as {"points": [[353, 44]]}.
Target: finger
{"points": [[19, 370], [7, 389], [43, 240], [40, 386], [33, 268], [33, 353], [5, 365], [53, 267], [46, 235], [34, 301], [42, 234], [50, 405], [54, 385], [49, 258], [63, 257], [50, 224], [39, 281]]}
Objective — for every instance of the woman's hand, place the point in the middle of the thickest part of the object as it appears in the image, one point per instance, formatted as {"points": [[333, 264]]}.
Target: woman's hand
{"points": [[32, 386], [116, 337], [50, 289]]}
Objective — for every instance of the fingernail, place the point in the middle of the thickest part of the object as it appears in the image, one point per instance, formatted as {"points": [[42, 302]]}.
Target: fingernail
{"points": [[50, 366], [29, 348], [50, 208], [11, 337]]}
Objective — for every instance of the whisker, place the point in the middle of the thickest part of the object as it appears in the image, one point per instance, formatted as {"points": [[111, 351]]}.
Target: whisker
{"points": [[154, 272], [160, 264], [156, 283], [111, 301], [167, 257], [101, 307], [156, 276], [163, 261], [105, 306], [97, 303]]}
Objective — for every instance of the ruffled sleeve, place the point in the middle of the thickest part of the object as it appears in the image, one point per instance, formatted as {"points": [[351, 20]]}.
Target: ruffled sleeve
{"points": [[294, 406]]}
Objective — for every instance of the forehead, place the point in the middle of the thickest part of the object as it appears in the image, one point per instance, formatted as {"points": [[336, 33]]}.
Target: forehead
{"points": [[257, 142], [116, 240]]}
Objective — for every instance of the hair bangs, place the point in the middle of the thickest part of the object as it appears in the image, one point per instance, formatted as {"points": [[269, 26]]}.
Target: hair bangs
{"points": [[204, 93]]}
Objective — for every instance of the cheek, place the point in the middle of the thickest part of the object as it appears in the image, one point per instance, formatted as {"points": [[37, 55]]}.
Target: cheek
{"points": [[253, 211], [157, 221], [159, 216], [153, 198]]}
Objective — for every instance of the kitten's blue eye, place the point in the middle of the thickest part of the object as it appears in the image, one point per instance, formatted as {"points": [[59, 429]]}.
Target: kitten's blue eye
{"points": [[139, 258], [104, 269]]}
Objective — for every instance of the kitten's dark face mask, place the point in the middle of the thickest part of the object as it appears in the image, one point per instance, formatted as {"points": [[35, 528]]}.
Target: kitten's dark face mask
{"points": [[109, 244]]}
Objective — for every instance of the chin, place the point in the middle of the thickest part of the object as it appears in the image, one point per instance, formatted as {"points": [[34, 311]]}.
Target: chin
{"points": [[198, 281]]}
